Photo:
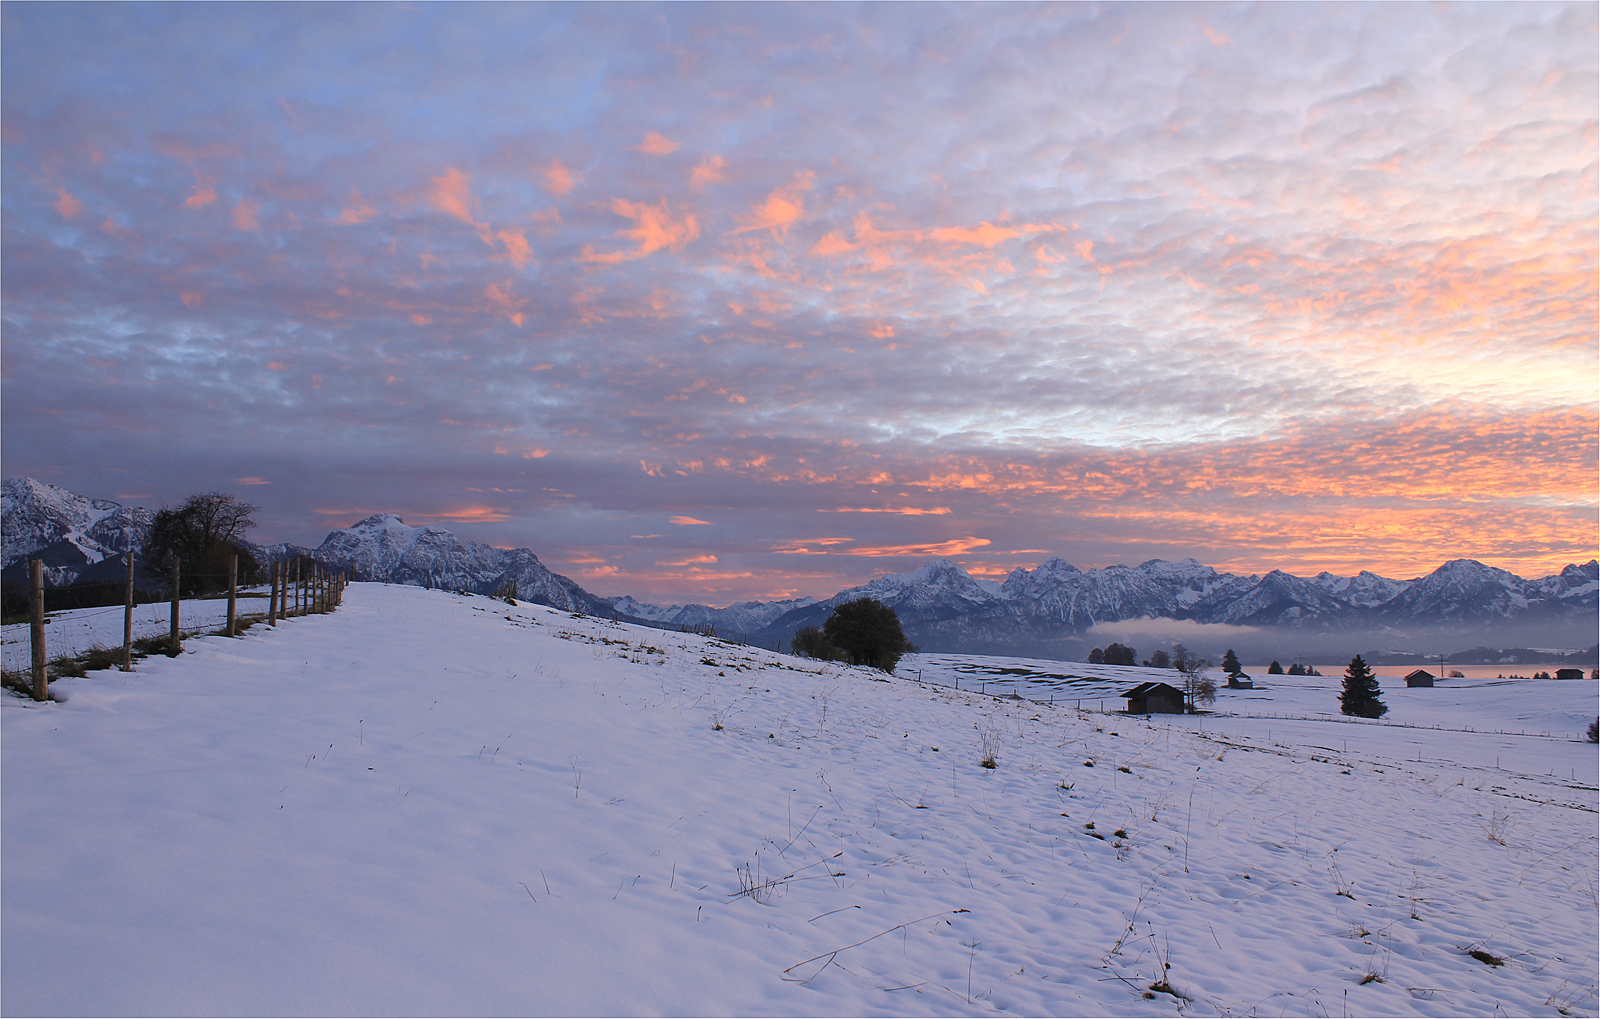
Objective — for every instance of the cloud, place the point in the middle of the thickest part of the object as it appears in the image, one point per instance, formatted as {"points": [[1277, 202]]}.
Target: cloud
{"points": [[905, 511], [1163, 629], [244, 215], [656, 145], [657, 231], [202, 196], [68, 206], [558, 179], [451, 194], [683, 521], [709, 171], [517, 248], [1321, 297], [251, 481], [356, 212], [781, 209]]}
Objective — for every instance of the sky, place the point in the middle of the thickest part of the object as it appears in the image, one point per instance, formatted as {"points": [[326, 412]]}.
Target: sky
{"points": [[721, 302]]}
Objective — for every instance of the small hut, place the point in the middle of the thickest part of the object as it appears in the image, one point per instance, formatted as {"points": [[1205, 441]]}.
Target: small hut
{"points": [[1569, 673], [1422, 677], [1240, 681], [1154, 698]]}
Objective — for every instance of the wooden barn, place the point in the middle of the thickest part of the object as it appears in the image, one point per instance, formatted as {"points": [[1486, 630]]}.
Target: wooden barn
{"points": [[1422, 677], [1154, 698], [1569, 673], [1241, 681]]}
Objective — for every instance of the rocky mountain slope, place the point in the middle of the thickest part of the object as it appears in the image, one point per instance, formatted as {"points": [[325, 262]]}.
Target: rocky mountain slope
{"points": [[385, 548]]}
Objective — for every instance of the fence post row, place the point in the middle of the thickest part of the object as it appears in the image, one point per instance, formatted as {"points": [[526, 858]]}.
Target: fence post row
{"points": [[41, 682], [172, 638], [127, 621], [233, 594]]}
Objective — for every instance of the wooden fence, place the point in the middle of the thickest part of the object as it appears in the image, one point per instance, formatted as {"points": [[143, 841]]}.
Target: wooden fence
{"points": [[296, 587]]}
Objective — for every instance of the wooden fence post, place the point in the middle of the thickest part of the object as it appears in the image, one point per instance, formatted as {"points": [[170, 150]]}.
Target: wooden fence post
{"points": [[173, 646], [41, 682], [272, 594], [297, 585], [233, 594], [127, 620]]}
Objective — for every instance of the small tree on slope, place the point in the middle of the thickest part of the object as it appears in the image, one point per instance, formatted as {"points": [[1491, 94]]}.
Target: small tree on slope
{"points": [[868, 632], [1360, 694]]}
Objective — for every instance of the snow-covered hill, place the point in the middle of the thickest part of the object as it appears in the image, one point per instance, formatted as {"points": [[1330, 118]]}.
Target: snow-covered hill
{"points": [[427, 803]]}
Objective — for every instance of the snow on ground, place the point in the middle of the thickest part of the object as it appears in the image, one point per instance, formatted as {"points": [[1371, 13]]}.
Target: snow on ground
{"points": [[429, 803], [74, 631]]}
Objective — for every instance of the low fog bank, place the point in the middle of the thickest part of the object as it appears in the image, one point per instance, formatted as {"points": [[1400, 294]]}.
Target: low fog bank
{"points": [[1287, 644]]}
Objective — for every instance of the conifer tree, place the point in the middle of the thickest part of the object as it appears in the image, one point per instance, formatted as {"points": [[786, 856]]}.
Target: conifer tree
{"points": [[1230, 663], [1360, 694]]}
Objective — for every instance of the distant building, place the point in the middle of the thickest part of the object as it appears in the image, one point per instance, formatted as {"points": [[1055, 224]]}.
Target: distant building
{"points": [[1240, 681], [1569, 673], [1422, 677], [1154, 699]]}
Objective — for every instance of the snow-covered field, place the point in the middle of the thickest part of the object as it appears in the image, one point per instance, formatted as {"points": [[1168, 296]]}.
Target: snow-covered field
{"points": [[74, 631], [427, 803]]}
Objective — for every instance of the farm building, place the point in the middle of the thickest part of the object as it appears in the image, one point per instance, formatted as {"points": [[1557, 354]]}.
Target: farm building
{"points": [[1422, 677], [1240, 681], [1569, 673], [1154, 698]]}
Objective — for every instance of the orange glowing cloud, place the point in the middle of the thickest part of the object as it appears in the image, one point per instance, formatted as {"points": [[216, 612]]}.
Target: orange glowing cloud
{"points": [[708, 172], [68, 206], [984, 233], [558, 179], [202, 196], [656, 145], [657, 230], [690, 561], [358, 211], [955, 546], [905, 511], [781, 209], [468, 515], [244, 215], [689, 522]]}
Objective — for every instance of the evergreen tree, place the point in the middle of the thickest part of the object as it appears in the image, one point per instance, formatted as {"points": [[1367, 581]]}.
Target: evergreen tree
{"points": [[1274, 669], [1360, 694], [1097, 657], [1230, 663]]}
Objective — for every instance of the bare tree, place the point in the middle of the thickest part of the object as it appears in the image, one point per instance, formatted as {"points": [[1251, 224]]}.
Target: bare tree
{"points": [[199, 536], [1198, 687]]}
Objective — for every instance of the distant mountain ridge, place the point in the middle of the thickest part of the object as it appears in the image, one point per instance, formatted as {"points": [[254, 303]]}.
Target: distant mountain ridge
{"points": [[942, 607]]}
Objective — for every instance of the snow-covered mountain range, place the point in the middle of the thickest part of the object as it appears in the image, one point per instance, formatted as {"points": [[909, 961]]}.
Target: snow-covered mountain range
{"points": [[942, 607]]}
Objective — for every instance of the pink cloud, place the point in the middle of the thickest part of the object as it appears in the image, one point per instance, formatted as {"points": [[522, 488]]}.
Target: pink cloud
{"points": [[558, 180], [244, 215], [708, 172], [202, 196], [782, 208], [689, 522], [68, 206], [517, 248], [358, 211], [452, 195], [656, 230], [657, 145]]}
